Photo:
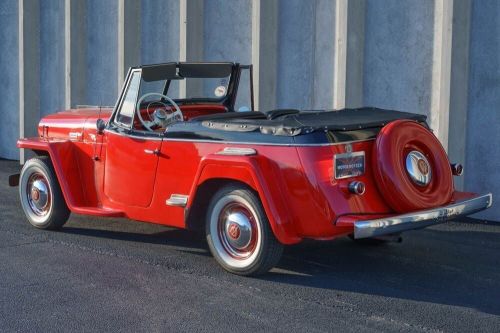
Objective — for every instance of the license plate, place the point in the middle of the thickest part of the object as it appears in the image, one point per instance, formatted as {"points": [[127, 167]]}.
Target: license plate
{"points": [[349, 164]]}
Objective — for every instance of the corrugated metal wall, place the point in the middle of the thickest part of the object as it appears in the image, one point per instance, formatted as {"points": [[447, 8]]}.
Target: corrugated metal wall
{"points": [[439, 58]]}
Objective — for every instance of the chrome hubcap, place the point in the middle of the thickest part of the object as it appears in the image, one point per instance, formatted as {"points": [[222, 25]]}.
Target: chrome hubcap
{"points": [[38, 192], [236, 228], [418, 168]]}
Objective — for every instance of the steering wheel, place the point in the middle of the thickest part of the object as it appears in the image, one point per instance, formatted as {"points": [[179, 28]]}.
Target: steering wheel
{"points": [[159, 117]]}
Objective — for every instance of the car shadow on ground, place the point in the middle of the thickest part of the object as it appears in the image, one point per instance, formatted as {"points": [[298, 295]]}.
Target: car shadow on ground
{"points": [[438, 272], [432, 266], [171, 237]]}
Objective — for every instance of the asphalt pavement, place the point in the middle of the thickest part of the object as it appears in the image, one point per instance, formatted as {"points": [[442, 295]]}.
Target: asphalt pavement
{"points": [[101, 274]]}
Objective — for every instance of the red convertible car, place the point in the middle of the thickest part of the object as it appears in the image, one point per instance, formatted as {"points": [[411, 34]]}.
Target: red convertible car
{"points": [[253, 181]]}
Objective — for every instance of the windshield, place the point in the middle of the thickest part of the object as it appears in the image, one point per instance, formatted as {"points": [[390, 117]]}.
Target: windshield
{"points": [[196, 89]]}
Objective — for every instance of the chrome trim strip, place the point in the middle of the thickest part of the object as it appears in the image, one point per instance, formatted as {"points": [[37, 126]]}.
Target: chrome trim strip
{"points": [[237, 151], [154, 138], [177, 200], [270, 143], [85, 106], [421, 219]]}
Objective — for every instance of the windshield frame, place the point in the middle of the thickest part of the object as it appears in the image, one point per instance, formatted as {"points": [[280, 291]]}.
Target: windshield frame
{"points": [[228, 100]]}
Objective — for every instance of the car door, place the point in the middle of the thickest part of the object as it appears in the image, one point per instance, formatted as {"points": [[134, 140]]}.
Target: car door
{"points": [[131, 157]]}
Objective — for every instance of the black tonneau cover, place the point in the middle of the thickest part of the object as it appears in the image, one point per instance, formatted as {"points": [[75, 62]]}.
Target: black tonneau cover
{"points": [[295, 123]]}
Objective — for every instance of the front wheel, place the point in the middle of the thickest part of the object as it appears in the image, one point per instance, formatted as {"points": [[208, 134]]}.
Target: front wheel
{"points": [[238, 232], [40, 194]]}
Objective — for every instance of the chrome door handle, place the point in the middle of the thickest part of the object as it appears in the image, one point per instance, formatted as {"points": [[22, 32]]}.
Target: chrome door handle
{"points": [[152, 152]]}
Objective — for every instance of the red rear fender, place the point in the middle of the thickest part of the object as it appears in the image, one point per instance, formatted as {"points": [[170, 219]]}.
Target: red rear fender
{"points": [[257, 173]]}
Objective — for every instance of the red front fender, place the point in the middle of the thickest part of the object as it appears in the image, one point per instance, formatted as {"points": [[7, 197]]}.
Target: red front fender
{"points": [[259, 173], [65, 163], [61, 155]]}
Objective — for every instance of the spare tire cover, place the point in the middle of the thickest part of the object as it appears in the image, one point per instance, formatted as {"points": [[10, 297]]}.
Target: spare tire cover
{"points": [[402, 193]]}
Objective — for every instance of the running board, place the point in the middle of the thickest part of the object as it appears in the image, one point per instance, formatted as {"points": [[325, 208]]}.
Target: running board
{"points": [[97, 211]]}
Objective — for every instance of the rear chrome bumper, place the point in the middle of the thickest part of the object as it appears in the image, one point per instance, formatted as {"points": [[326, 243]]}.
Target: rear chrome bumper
{"points": [[421, 219]]}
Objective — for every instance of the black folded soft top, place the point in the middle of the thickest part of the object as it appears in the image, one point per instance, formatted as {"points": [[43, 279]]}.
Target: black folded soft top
{"points": [[295, 122]]}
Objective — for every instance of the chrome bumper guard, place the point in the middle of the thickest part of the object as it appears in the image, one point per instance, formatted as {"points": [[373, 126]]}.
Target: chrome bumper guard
{"points": [[421, 219]]}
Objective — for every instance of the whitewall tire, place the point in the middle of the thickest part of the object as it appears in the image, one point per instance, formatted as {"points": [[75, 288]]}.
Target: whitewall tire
{"points": [[238, 232], [41, 197]]}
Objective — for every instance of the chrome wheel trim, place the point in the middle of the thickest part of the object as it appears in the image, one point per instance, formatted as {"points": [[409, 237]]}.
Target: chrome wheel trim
{"points": [[236, 230], [418, 168], [237, 249], [36, 197]]}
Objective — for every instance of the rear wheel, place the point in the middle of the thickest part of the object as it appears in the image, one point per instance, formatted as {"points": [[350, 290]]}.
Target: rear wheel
{"points": [[238, 232], [41, 196]]}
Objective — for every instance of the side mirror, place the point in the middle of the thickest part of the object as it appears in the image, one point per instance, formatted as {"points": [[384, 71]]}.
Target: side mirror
{"points": [[100, 125]]}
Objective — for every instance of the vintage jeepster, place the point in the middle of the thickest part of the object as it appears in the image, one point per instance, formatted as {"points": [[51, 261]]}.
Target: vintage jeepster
{"points": [[252, 181]]}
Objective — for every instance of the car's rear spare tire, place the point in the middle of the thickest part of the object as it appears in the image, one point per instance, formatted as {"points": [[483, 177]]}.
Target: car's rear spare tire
{"points": [[41, 197], [411, 168], [238, 232]]}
